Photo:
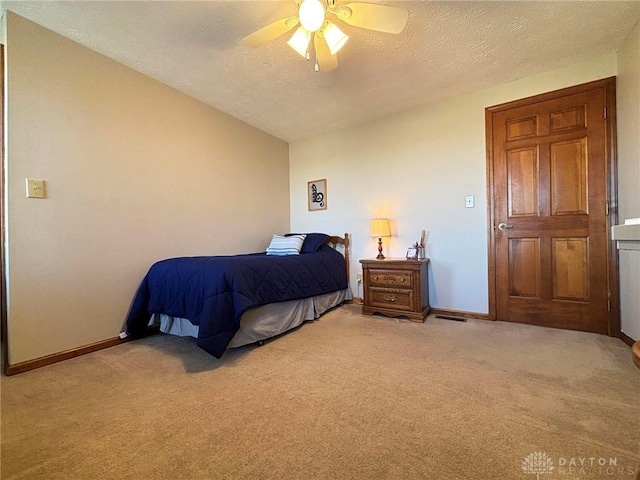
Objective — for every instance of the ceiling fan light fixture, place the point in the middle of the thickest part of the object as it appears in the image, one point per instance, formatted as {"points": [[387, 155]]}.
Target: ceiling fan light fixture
{"points": [[312, 14], [334, 37], [300, 41], [328, 39]]}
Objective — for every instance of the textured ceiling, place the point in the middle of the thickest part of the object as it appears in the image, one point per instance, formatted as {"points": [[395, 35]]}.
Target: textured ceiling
{"points": [[447, 49]]}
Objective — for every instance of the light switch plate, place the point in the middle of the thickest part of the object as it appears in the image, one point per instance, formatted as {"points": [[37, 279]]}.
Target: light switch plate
{"points": [[469, 201], [35, 188]]}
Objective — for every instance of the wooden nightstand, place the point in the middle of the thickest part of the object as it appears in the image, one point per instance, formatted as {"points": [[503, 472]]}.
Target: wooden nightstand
{"points": [[396, 287]]}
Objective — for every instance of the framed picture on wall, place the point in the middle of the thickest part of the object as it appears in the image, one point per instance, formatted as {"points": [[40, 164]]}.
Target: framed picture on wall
{"points": [[317, 195]]}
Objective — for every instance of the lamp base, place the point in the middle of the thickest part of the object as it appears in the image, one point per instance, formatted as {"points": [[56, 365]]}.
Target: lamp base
{"points": [[380, 255]]}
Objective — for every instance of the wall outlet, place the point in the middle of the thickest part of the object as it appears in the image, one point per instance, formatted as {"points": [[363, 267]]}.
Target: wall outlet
{"points": [[469, 201], [359, 277]]}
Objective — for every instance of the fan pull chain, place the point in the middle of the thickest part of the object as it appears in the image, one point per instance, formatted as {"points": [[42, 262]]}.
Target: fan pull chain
{"points": [[315, 51]]}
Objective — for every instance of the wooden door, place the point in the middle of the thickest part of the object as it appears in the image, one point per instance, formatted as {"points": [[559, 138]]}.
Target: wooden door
{"points": [[550, 163]]}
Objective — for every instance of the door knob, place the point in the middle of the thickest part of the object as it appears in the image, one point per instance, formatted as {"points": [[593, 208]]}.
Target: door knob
{"points": [[504, 226]]}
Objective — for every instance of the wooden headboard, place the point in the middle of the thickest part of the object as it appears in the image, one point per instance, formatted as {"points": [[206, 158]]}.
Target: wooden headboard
{"points": [[335, 241]]}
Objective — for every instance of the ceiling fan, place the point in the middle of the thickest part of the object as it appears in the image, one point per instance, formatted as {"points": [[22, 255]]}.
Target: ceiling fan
{"points": [[316, 22]]}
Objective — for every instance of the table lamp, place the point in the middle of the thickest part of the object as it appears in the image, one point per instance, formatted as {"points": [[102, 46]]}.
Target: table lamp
{"points": [[380, 228]]}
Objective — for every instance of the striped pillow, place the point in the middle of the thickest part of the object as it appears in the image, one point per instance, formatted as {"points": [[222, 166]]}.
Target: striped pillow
{"points": [[290, 245]]}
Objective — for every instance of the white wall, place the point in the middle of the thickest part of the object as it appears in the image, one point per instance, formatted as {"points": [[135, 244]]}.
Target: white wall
{"points": [[628, 109], [135, 172], [416, 168]]}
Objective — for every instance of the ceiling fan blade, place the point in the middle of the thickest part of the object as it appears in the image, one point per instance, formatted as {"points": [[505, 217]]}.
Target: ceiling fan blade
{"points": [[381, 18], [325, 61], [270, 32]]}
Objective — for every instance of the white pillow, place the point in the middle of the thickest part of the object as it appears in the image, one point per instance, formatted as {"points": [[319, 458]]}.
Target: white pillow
{"points": [[290, 245]]}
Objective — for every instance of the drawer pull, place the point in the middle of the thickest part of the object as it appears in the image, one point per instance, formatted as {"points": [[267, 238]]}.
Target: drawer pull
{"points": [[402, 279], [390, 298], [376, 277]]}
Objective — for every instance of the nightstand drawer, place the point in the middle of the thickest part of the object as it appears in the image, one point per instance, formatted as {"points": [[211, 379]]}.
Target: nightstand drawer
{"points": [[391, 298], [390, 278]]}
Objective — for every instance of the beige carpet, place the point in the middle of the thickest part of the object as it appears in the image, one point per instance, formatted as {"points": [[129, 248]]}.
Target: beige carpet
{"points": [[345, 397]]}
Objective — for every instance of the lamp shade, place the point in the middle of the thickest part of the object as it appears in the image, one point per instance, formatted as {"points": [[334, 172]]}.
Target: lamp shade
{"points": [[300, 41], [380, 227], [334, 37]]}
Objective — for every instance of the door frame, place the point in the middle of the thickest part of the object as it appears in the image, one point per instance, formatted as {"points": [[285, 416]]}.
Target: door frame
{"points": [[4, 333], [608, 85]]}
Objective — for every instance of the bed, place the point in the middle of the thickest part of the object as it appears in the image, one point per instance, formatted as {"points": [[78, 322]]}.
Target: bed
{"points": [[230, 301]]}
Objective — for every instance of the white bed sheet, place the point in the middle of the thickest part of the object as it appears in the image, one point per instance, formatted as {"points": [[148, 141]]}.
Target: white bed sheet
{"points": [[262, 322]]}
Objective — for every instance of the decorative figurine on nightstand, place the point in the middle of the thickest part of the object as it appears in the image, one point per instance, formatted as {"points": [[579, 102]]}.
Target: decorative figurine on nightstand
{"points": [[422, 246], [416, 251]]}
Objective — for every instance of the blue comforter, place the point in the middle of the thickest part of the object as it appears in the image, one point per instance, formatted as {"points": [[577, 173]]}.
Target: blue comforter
{"points": [[214, 292]]}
